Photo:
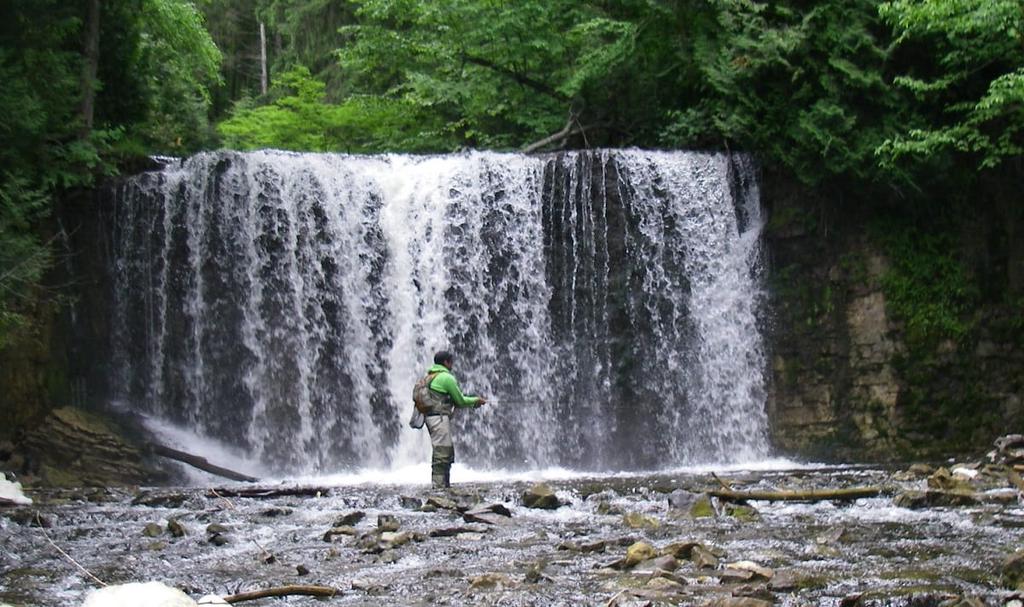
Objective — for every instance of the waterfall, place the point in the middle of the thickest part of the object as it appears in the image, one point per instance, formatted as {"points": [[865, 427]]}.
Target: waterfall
{"points": [[606, 302]]}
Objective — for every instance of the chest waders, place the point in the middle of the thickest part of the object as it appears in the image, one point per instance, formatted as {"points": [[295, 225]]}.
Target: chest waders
{"points": [[442, 452]]}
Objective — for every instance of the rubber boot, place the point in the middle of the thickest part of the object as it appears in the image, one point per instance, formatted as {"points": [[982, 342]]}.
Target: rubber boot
{"points": [[441, 467], [438, 475]]}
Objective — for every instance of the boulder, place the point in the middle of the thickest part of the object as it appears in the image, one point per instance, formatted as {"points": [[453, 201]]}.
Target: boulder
{"points": [[336, 531], [638, 553], [489, 514], [702, 558], [350, 519], [915, 500], [759, 571], [680, 550], [666, 562], [541, 496], [635, 520], [387, 522], [76, 448], [152, 530], [176, 528], [410, 503], [943, 480], [1013, 571]]}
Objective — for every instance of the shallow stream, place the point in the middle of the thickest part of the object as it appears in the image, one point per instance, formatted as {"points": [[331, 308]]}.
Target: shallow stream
{"points": [[821, 553]]}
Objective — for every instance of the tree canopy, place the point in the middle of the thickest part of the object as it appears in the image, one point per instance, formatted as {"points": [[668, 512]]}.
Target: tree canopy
{"points": [[875, 92]]}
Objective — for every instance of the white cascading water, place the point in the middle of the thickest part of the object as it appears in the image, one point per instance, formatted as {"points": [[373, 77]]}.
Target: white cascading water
{"points": [[607, 302]]}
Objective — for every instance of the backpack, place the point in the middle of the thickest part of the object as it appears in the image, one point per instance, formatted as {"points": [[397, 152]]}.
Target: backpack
{"points": [[421, 397]]}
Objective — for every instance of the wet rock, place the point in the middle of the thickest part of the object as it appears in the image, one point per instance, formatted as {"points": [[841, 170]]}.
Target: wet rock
{"points": [[681, 501], [301, 570], [664, 583], [742, 512], [604, 508], [680, 550], [218, 539], [635, 520], [702, 508], [152, 530], [737, 601], [760, 572], [368, 586], [490, 581], [160, 500], [831, 536], [1009, 449], [410, 503], [350, 519], [852, 600], [391, 539], [1013, 571], [491, 514], [156, 546], [535, 573], [338, 531], [638, 553], [784, 581], [702, 558], [387, 522], [943, 480], [442, 503], [665, 562], [389, 556], [915, 500], [754, 591], [454, 531], [276, 512], [734, 576], [216, 528], [541, 496], [175, 528]]}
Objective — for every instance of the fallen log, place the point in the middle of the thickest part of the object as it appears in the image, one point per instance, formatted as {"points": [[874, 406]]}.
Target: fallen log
{"points": [[265, 492], [201, 462], [322, 591], [805, 495]]}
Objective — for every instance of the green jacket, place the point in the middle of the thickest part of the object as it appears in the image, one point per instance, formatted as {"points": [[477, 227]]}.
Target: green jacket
{"points": [[445, 383]]}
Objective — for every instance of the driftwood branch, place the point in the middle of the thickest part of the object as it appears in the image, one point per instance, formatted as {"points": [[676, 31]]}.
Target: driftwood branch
{"points": [[322, 591], [264, 492], [66, 555], [572, 127], [201, 463], [808, 495]]}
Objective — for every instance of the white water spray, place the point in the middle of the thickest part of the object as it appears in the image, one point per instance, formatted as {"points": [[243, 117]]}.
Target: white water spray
{"points": [[606, 302]]}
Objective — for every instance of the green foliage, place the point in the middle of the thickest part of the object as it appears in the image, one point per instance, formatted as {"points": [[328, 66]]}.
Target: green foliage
{"points": [[300, 119], [927, 286], [155, 63], [804, 86], [966, 76], [179, 62]]}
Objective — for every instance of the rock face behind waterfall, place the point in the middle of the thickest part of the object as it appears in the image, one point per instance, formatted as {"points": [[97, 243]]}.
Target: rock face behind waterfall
{"points": [[609, 302]]}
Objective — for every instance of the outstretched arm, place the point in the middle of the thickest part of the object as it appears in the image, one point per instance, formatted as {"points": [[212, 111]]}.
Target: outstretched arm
{"points": [[449, 384]]}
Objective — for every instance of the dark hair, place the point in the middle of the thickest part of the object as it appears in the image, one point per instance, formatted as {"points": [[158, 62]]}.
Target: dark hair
{"points": [[443, 357]]}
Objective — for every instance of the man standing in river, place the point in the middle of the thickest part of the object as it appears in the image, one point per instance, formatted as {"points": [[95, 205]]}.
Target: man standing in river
{"points": [[445, 395]]}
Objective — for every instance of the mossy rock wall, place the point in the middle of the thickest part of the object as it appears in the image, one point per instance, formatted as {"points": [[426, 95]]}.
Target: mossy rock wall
{"points": [[850, 380]]}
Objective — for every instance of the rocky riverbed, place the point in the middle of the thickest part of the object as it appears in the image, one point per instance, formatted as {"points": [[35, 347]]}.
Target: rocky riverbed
{"points": [[613, 540]]}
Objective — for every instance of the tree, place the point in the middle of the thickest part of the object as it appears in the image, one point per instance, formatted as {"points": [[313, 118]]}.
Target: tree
{"points": [[81, 85], [964, 67]]}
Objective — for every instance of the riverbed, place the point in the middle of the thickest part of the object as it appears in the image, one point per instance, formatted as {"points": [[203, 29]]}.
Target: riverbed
{"points": [[380, 543]]}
